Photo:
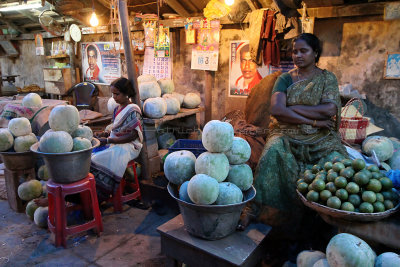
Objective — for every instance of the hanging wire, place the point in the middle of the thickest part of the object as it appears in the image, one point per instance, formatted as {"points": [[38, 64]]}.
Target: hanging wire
{"points": [[151, 3]]}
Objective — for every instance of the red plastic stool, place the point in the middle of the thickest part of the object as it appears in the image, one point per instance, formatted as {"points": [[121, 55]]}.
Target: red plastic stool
{"points": [[119, 198], [57, 220]]}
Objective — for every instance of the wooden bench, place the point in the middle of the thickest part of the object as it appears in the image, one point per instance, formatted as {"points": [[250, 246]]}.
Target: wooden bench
{"points": [[238, 249]]}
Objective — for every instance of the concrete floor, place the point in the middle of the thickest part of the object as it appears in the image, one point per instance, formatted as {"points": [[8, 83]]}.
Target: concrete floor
{"points": [[129, 239]]}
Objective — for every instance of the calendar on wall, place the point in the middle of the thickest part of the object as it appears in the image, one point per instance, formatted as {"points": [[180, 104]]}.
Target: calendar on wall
{"points": [[159, 67]]}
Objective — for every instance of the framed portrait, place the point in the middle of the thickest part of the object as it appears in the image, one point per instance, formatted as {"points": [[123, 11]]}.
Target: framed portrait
{"points": [[392, 66]]}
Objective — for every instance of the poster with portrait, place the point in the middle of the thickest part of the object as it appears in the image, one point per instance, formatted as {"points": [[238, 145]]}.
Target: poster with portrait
{"points": [[392, 66], [101, 62]]}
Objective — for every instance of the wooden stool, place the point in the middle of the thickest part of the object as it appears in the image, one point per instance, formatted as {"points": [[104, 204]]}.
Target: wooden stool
{"points": [[119, 198], [12, 183], [57, 220]]}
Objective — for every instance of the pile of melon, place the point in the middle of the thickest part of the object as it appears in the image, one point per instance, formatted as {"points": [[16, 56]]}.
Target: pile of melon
{"points": [[18, 135], [347, 250], [65, 134], [160, 99], [217, 176], [349, 185]]}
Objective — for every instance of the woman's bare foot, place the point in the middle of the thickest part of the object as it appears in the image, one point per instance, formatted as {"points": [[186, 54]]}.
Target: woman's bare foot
{"points": [[245, 219], [41, 202]]}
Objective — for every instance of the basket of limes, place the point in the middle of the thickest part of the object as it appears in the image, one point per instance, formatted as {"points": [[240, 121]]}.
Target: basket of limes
{"points": [[348, 190]]}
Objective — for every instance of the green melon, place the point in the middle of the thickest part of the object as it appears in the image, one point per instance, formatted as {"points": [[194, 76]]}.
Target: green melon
{"points": [[215, 165], [382, 146], [23, 143], [146, 78], [240, 175], [64, 118], [40, 216], [83, 131], [217, 136], [347, 250], [30, 209], [203, 189], [32, 100], [179, 166], [43, 173], [183, 194], [165, 140], [30, 190], [307, 258], [56, 142], [20, 127], [173, 105], [167, 85], [240, 151], [321, 263], [388, 259], [178, 96], [229, 194], [155, 108], [80, 143], [191, 100], [149, 90], [6, 139]]}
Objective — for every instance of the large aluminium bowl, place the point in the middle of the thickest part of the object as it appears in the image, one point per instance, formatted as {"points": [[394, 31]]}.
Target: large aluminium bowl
{"points": [[15, 161], [67, 167], [211, 222]]}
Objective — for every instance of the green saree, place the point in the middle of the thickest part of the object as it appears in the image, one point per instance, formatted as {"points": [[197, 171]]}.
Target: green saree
{"points": [[290, 149]]}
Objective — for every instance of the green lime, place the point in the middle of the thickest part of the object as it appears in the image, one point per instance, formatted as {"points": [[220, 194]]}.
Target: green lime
{"points": [[331, 187], [373, 168], [331, 176], [346, 162], [352, 188], [369, 196], [308, 178], [376, 175], [337, 159], [361, 178], [307, 171], [328, 165], [313, 196], [342, 194], [378, 206], [310, 187], [379, 197], [324, 195], [347, 172], [316, 168], [302, 187], [299, 181], [395, 196], [388, 204], [387, 195], [318, 185], [338, 166], [368, 173], [334, 202], [386, 183], [355, 200], [321, 176], [366, 207], [347, 206], [340, 182], [374, 185], [358, 164]]}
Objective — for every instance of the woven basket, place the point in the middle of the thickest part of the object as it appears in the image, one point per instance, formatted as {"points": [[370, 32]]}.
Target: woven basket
{"points": [[348, 215]]}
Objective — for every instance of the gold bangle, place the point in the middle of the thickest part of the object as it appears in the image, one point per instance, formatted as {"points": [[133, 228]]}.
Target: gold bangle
{"points": [[314, 123]]}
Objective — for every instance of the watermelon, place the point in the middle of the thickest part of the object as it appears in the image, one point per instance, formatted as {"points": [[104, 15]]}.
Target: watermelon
{"points": [[146, 78], [155, 108], [217, 136], [80, 143], [229, 194], [30, 190], [215, 165], [240, 151], [64, 118], [173, 105], [23, 143], [307, 258], [40, 216], [6, 139], [321, 263], [149, 90], [83, 131], [382, 146], [20, 127], [56, 142], [388, 259], [203, 189], [167, 85], [347, 250], [183, 194], [43, 173], [191, 100], [165, 140], [32, 100], [240, 175], [179, 166], [178, 96], [30, 209]]}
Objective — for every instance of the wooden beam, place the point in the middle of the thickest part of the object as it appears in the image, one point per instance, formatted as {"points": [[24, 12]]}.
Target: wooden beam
{"points": [[253, 4], [181, 10], [12, 25], [105, 3], [366, 9]]}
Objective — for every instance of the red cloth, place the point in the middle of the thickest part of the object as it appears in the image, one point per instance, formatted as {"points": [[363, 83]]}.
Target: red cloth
{"points": [[95, 77], [271, 54]]}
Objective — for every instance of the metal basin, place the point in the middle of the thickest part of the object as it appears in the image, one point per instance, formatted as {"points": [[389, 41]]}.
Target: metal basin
{"points": [[67, 167], [211, 222], [15, 161]]}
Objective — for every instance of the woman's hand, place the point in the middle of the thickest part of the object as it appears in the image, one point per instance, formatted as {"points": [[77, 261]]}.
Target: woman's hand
{"points": [[103, 141], [101, 134], [325, 124]]}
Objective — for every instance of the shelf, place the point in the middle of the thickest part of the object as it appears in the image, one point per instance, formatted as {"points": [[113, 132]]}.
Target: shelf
{"points": [[182, 113], [137, 52], [58, 56]]}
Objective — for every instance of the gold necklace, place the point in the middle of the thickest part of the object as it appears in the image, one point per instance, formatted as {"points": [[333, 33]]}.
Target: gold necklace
{"points": [[308, 76]]}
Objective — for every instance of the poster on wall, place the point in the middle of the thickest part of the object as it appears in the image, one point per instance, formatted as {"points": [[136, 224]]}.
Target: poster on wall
{"points": [[205, 50], [39, 47], [392, 66], [159, 67], [101, 62], [244, 73]]}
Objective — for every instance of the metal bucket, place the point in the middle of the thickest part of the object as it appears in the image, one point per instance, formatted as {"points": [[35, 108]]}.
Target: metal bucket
{"points": [[15, 161], [211, 222], [66, 168]]}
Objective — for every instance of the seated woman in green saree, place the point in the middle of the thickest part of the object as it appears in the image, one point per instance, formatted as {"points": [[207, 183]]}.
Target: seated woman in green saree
{"points": [[305, 118]]}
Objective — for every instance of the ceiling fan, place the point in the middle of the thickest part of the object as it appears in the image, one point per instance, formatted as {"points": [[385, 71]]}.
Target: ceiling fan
{"points": [[50, 24]]}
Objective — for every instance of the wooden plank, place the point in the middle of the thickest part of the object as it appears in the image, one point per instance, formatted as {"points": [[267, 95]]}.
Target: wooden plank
{"points": [[182, 113], [210, 80], [12, 25], [253, 4], [319, 3], [180, 9], [366, 9]]}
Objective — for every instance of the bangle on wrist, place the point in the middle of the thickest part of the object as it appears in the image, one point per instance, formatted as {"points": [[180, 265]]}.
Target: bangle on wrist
{"points": [[107, 140]]}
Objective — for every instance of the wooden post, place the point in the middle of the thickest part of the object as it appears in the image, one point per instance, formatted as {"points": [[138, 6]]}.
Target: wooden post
{"points": [[210, 81]]}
